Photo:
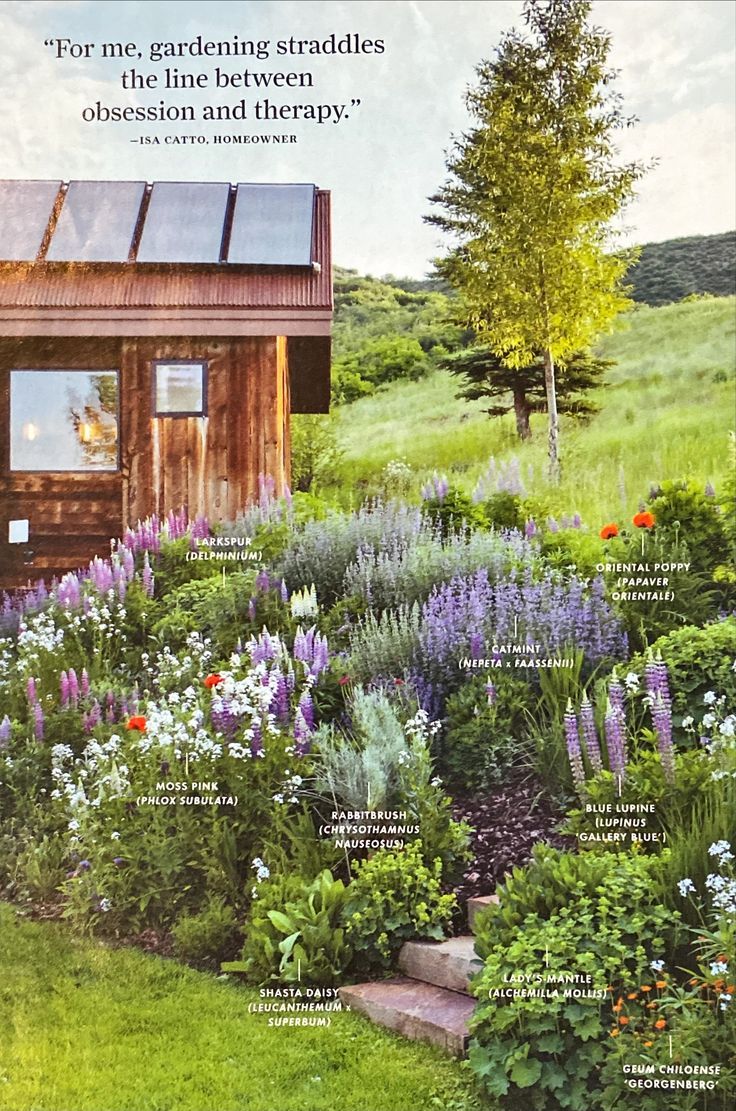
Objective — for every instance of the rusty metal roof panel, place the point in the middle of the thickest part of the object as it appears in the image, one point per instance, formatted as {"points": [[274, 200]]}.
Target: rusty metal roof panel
{"points": [[47, 285]]}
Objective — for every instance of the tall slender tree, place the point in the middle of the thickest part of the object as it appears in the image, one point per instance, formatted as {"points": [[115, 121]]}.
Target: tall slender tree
{"points": [[533, 191]]}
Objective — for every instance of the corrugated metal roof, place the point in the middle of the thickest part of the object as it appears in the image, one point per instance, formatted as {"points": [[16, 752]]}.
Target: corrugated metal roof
{"points": [[45, 285]]}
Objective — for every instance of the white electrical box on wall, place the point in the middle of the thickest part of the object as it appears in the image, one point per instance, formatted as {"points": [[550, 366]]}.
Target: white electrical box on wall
{"points": [[18, 532]]}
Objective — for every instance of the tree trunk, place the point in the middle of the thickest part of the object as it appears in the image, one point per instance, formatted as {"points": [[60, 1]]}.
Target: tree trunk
{"points": [[554, 423], [521, 412]]}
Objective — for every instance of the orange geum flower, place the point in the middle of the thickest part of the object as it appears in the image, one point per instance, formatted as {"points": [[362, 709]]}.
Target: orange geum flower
{"points": [[632, 995], [615, 1033], [617, 1007], [624, 1020], [646, 987], [648, 1044], [660, 1024], [661, 984]]}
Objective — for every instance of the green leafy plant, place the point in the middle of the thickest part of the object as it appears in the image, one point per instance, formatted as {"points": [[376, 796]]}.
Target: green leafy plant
{"points": [[208, 935], [296, 933], [393, 898], [485, 733], [574, 930]]}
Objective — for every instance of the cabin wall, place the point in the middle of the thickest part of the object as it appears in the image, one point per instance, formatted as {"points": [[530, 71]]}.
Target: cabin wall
{"points": [[71, 515], [210, 464]]}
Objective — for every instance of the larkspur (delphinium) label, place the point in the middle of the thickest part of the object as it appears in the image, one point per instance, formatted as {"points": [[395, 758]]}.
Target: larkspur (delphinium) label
{"points": [[177, 793], [642, 582], [620, 823], [226, 548], [298, 1006], [369, 829]]}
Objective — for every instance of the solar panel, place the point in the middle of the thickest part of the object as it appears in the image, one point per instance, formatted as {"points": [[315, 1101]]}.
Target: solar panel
{"points": [[25, 209], [272, 225], [184, 222], [97, 222]]}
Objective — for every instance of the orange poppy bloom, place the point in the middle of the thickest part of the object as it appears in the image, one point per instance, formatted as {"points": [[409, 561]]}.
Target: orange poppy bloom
{"points": [[608, 532], [644, 520], [213, 680], [660, 1024], [138, 722]]}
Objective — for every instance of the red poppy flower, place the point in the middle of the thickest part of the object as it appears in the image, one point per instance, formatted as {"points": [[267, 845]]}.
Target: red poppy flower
{"points": [[608, 532], [213, 681], [138, 722], [644, 520], [343, 680]]}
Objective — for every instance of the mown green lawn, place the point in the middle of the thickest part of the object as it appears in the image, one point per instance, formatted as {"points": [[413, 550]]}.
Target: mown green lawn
{"points": [[665, 412], [87, 1028]]}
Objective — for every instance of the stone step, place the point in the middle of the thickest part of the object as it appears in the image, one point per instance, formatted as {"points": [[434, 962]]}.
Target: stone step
{"points": [[422, 1012], [447, 964], [476, 905]]}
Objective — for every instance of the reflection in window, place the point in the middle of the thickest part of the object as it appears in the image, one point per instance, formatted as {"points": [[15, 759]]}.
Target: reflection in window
{"points": [[179, 389], [63, 420]]}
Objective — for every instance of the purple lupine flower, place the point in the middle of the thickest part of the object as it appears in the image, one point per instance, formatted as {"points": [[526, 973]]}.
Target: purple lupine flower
{"points": [[84, 866], [574, 752], [307, 709], [281, 697], [110, 708], [615, 731], [38, 722], [64, 689], [252, 609], [710, 491], [284, 592], [552, 525], [590, 734], [73, 686], [69, 591], [147, 576], [5, 729], [530, 528], [302, 735], [262, 581], [224, 719], [84, 683], [256, 744], [577, 521], [92, 718], [118, 861], [31, 692], [616, 695], [658, 690], [490, 693]]}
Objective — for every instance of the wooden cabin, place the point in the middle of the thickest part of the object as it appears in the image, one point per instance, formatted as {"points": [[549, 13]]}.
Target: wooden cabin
{"points": [[154, 340]]}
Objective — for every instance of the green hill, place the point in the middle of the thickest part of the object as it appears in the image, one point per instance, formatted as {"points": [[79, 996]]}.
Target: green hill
{"points": [[665, 412], [678, 268]]}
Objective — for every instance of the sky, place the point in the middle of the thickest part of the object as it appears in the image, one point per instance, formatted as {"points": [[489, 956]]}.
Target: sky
{"points": [[386, 155]]}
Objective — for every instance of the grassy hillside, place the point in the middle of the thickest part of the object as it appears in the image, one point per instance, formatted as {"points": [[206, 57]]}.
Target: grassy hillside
{"points": [[665, 412]]}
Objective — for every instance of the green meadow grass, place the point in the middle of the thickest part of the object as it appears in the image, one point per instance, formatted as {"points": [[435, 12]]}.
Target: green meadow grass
{"points": [[666, 411], [87, 1028]]}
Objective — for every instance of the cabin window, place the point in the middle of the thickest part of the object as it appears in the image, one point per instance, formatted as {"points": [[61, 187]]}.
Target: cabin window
{"points": [[180, 388], [63, 420]]}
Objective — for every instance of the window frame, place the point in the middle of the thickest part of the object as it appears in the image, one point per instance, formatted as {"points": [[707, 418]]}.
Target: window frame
{"points": [[178, 414], [11, 470]]}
